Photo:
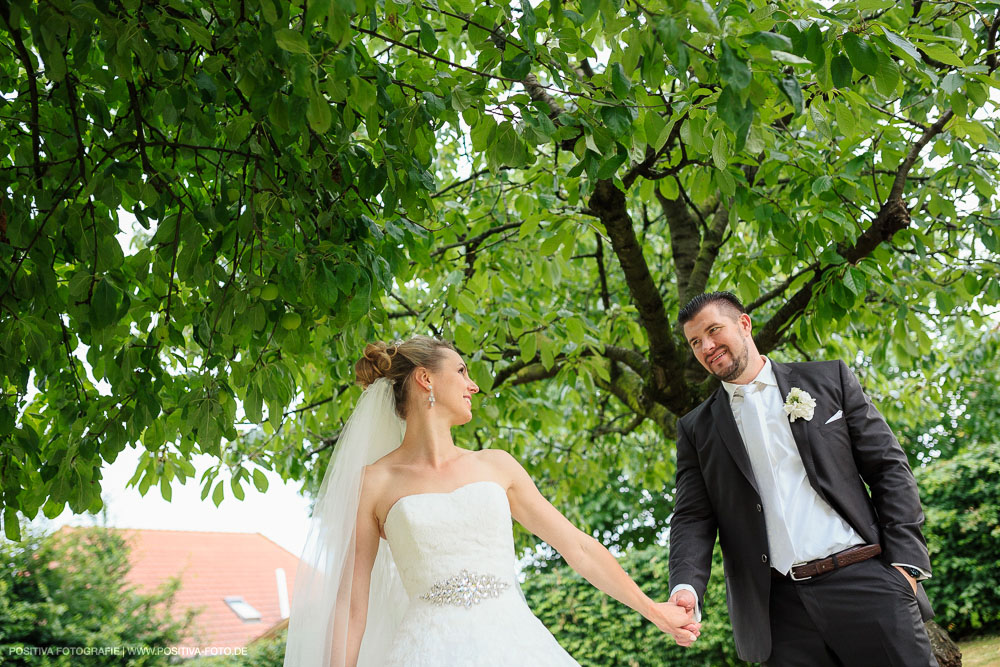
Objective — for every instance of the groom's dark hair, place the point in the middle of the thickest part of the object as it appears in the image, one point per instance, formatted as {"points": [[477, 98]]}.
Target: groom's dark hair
{"points": [[697, 304]]}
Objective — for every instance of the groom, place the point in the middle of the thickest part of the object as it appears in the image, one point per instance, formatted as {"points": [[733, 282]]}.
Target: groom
{"points": [[813, 502]]}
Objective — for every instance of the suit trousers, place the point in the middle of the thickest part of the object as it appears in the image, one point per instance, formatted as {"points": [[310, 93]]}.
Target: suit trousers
{"points": [[861, 615]]}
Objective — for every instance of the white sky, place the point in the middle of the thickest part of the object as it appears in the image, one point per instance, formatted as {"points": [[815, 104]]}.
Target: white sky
{"points": [[280, 514]]}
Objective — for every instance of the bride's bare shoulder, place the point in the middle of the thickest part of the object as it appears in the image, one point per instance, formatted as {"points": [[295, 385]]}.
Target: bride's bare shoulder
{"points": [[499, 460], [376, 478]]}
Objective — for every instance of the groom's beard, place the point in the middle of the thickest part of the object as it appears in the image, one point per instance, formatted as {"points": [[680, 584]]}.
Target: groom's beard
{"points": [[740, 360]]}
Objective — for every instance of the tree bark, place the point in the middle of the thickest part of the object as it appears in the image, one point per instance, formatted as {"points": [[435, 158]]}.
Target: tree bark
{"points": [[945, 650]]}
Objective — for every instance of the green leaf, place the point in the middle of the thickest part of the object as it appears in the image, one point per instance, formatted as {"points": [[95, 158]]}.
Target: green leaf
{"points": [[237, 487], [942, 53], [218, 494], [318, 114], [291, 40], [845, 119], [617, 119], [55, 65], [506, 143], [527, 14], [104, 304], [720, 150], [11, 524], [903, 45], [733, 70], [772, 40], [887, 76], [198, 33], [620, 82], [814, 44], [851, 283], [793, 91], [733, 111], [428, 40], [363, 94], [822, 184], [516, 67], [841, 71], [862, 55], [529, 345]]}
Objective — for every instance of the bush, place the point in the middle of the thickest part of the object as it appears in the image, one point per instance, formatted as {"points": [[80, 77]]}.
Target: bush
{"points": [[66, 592], [600, 632], [961, 498], [261, 653]]}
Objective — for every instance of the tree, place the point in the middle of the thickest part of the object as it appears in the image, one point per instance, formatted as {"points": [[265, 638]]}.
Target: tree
{"points": [[545, 184], [66, 593]]}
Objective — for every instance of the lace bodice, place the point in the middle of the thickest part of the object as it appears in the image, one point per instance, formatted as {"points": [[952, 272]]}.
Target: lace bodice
{"points": [[435, 536]]}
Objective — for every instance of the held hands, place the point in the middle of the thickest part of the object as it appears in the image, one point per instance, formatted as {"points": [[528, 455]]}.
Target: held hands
{"points": [[682, 607], [676, 619]]}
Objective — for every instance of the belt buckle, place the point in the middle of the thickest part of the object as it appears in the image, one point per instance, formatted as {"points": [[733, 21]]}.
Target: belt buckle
{"points": [[791, 574]]}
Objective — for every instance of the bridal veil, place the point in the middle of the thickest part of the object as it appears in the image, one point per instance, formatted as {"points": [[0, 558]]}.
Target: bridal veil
{"points": [[317, 627]]}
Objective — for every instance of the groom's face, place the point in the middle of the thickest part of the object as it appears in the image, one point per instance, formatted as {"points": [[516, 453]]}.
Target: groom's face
{"points": [[719, 337]]}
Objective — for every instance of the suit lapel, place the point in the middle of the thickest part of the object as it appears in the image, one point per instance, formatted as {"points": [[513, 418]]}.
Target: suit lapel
{"points": [[725, 424], [788, 378]]}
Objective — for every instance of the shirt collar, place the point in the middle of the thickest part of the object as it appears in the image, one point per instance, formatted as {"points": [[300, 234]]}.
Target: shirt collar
{"points": [[766, 376]]}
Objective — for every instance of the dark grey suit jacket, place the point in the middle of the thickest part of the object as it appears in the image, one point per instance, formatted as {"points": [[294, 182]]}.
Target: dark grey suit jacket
{"points": [[717, 493]]}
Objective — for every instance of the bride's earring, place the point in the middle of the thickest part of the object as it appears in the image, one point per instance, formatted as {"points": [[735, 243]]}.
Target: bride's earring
{"points": [[430, 399]]}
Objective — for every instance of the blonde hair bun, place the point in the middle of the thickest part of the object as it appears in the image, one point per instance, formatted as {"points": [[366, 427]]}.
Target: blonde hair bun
{"points": [[375, 363], [397, 361]]}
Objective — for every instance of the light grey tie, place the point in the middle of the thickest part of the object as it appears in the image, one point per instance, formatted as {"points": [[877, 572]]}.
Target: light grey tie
{"points": [[760, 451]]}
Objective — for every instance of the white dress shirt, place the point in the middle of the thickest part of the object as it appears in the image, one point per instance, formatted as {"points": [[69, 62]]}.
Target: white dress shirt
{"points": [[801, 526]]}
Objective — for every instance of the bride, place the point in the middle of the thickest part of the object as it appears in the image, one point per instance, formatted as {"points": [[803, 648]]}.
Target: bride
{"points": [[410, 558]]}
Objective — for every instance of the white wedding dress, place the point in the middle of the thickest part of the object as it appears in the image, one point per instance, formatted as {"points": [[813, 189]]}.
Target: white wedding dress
{"points": [[455, 556]]}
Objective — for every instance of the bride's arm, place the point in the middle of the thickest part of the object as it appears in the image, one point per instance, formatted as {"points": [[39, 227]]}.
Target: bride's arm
{"points": [[586, 555], [366, 548]]}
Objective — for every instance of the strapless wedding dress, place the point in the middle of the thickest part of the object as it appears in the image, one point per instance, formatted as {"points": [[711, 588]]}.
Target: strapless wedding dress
{"points": [[455, 556]]}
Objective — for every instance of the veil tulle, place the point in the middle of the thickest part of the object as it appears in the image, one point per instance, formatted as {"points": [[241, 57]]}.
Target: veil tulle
{"points": [[317, 626]]}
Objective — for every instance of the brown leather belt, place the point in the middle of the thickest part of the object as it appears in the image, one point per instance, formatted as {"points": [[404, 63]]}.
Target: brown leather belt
{"points": [[830, 563]]}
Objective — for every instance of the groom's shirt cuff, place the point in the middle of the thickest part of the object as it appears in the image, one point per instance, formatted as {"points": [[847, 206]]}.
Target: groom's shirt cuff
{"points": [[924, 574], [697, 607]]}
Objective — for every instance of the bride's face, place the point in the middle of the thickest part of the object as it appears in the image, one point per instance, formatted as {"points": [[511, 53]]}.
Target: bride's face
{"points": [[453, 388]]}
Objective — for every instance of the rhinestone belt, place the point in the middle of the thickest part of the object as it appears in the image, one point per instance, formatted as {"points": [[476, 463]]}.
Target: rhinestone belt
{"points": [[465, 589]]}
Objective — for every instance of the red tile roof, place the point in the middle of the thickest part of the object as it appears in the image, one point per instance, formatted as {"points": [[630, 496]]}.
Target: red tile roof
{"points": [[213, 566]]}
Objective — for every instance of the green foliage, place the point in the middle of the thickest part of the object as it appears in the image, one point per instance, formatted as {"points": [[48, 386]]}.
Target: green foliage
{"points": [[67, 591], [967, 414], [600, 632], [269, 652], [543, 184], [961, 499]]}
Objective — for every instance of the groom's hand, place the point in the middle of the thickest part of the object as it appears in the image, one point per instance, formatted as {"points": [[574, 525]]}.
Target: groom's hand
{"points": [[684, 598], [687, 634], [911, 580], [677, 621]]}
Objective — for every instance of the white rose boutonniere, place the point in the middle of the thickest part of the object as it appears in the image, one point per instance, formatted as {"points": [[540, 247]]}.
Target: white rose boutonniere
{"points": [[799, 405]]}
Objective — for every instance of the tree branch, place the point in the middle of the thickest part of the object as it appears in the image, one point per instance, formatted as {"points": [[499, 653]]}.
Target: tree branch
{"points": [[904, 169], [891, 218], [684, 240], [779, 290], [609, 203], [710, 244], [476, 240], [629, 388], [25, 57]]}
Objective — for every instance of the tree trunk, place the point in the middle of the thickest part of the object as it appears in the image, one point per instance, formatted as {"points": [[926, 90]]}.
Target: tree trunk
{"points": [[945, 650]]}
